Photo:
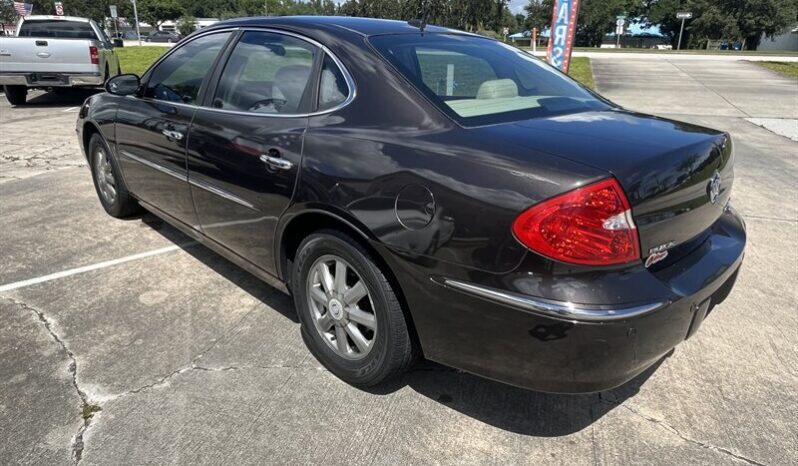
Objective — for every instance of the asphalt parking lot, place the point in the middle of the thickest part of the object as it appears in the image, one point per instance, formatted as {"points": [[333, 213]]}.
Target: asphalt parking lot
{"points": [[151, 349]]}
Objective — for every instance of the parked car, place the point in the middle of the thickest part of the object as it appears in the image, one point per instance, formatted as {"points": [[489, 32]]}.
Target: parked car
{"points": [[130, 35], [55, 52], [424, 191], [164, 36]]}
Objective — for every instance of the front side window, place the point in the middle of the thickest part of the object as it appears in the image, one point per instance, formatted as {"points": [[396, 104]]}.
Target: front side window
{"points": [[178, 77], [481, 81], [266, 73]]}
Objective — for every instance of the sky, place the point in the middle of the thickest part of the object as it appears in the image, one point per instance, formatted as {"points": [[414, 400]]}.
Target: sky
{"points": [[517, 6]]}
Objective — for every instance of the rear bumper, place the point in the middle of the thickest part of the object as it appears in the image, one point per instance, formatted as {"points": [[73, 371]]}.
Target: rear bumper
{"points": [[51, 79], [496, 330]]}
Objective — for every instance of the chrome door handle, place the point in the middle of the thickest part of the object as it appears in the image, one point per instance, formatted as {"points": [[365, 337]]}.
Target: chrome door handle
{"points": [[276, 162], [176, 135]]}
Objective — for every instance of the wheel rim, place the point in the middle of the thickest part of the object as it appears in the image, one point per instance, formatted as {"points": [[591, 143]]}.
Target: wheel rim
{"points": [[341, 307], [105, 176]]}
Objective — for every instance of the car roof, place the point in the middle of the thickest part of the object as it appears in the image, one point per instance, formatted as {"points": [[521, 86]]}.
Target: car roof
{"points": [[50, 17], [362, 26]]}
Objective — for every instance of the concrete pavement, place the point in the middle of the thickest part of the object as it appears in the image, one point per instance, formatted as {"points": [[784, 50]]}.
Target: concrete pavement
{"points": [[180, 357]]}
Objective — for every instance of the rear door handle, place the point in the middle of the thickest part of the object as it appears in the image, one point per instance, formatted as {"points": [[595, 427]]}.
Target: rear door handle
{"points": [[276, 162], [176, 135]]}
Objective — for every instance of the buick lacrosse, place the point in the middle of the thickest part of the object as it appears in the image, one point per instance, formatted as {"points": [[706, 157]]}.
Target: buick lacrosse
{"points": [[424, 192]]}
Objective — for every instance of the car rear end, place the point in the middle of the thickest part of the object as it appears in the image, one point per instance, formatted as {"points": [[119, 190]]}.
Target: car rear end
{"points": [[51, 53], [618, 273]]}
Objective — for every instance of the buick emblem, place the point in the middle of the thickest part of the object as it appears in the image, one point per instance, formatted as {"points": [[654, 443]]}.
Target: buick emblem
{"points": [[713, 188]]}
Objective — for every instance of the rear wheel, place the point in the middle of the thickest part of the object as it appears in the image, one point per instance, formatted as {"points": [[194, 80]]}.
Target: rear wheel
{"points": [[108, 183], [16, 95], [351, 318]]}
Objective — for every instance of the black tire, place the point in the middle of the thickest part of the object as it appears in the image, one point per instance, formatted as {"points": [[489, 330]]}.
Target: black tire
{"points": [[123, 204], [118, 68], [16, 95], [392, 349], [107, 73]]}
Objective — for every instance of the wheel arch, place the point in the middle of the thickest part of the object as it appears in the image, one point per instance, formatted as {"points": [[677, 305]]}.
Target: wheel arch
{"points": [[301, 224], [89, 130]]}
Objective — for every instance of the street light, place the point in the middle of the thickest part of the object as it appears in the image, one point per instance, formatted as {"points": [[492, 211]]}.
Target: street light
{"points": [[136, 18]]}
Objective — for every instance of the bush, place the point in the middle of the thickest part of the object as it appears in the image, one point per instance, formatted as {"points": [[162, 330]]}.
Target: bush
{"points": [[186, 25]]}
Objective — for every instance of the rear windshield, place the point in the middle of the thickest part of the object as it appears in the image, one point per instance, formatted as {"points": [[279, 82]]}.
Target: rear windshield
{"points": [[57, 29], [481, 81]]}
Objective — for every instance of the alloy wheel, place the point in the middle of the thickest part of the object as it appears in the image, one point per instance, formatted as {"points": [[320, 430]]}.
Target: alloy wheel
{"points": [[341, 307], [105, 176]]}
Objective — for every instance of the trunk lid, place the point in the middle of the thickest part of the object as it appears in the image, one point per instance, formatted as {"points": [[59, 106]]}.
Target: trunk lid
{"points": [[677, 176]]}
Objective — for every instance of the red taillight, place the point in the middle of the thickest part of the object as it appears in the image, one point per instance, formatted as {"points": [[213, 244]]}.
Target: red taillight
{"points": [[95, 56], [587, 226]]}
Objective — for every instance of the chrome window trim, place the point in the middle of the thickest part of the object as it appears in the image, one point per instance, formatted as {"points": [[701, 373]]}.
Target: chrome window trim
{"points": [[550, 308], [350, 82]]}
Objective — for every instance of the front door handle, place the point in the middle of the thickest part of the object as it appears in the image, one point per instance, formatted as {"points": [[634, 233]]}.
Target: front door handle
{"points": [[276, 162], [176, 135]]}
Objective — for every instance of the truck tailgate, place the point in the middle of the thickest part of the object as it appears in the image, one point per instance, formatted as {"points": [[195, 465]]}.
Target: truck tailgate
{"points": [[46, 55]]}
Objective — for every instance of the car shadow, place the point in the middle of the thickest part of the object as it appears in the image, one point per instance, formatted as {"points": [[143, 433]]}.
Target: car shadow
{"points": [[59, 98], [244, 280], [497, 404]]}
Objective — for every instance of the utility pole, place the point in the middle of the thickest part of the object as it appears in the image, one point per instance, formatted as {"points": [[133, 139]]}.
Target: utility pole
{"points": [[136, 18]]}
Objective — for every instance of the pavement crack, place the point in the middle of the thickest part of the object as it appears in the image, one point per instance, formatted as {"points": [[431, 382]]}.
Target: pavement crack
{"points": [[164, 380], [87, 408], [665, 426]]}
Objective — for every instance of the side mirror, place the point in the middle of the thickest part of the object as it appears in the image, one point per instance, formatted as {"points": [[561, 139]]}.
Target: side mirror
{"points": [[123, 84], [118, 43]]}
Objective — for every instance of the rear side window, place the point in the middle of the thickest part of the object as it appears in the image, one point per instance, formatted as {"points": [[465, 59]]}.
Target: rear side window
{"points": [[57, 29], [333, 89], [266, 73], [179, 76]]}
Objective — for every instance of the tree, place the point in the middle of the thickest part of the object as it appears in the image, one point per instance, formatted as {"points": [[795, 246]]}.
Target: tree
{"points": [[538, 14], [155, 12], [7, 13], [744, 20], [186, 25]]}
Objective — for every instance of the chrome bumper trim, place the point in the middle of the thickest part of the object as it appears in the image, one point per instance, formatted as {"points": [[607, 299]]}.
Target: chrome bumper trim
{"points": [[550, 308]]}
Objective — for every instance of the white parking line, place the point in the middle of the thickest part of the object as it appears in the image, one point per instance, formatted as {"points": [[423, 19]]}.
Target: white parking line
{"points": [[70, 109], [89, 268]]}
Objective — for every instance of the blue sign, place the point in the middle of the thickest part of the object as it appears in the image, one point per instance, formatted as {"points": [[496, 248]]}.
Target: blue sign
{"points": [[563, 30]]}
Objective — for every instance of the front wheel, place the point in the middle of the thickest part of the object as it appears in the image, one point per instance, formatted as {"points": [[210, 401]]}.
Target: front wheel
{"points": [[351, 318], [16, 95], [108, 182]]}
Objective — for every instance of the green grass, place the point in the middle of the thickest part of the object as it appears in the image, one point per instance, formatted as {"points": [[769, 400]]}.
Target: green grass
{"points": [[789, 69], [138, 59], [582, 72]]}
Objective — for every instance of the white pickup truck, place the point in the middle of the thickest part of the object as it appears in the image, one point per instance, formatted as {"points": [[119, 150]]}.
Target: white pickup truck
{"points": [[55, 52]]}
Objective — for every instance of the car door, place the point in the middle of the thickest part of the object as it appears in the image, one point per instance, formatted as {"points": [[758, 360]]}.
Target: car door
{"points": [[152, 128], [245, 146]]}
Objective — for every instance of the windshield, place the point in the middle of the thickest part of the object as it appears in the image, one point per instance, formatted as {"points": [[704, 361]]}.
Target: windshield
{"points": [[57, 29], [481, 81]]}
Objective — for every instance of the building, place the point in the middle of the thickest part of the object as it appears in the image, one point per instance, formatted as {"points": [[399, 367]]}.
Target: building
{"points": [[784, 42]]}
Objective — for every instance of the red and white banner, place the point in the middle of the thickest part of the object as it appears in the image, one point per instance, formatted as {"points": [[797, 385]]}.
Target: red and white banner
{"points": [[561, 35]]}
